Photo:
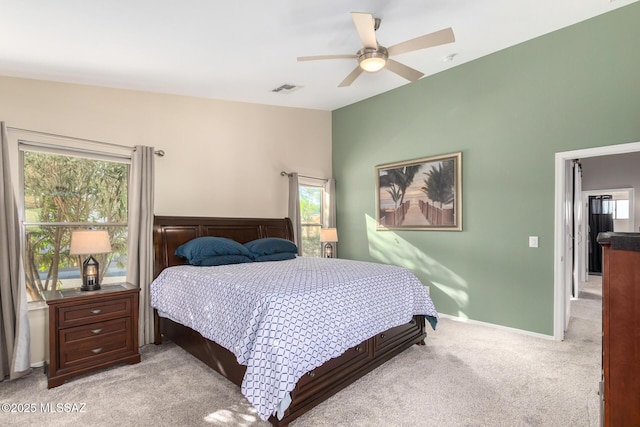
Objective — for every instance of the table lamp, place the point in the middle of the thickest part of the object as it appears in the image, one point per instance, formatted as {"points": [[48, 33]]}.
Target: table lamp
{"points": [[329, 236], [89, 242]]}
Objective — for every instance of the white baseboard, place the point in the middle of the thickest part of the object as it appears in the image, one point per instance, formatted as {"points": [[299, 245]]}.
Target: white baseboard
{"points": [[494, 326], [38, 364]]}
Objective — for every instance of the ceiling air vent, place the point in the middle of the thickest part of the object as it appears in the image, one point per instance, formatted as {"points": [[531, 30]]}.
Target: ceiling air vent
{"points": [[286, 88]]}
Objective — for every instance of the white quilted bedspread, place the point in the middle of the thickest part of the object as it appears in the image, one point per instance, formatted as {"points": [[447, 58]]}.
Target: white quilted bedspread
{"points": [[284, 318]]}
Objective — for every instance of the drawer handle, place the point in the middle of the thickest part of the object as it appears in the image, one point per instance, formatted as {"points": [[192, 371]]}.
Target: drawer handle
{"points": [[382, 336], [96, 311], [96, 331], [311, 374], [97, 350], [358, 349]]}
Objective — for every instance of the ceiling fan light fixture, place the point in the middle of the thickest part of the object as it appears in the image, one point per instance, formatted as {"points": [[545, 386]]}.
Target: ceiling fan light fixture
{"points": [[373, 57], [372, 60]]}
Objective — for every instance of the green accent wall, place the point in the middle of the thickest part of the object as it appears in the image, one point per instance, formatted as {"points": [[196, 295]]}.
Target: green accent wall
{"points": [[508, 113]]}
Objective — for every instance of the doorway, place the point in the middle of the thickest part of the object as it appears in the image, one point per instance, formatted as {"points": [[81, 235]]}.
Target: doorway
{"points": [[608, 209], [563, 250]]}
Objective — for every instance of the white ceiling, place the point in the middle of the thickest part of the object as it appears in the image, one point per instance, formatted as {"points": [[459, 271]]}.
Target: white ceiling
{"points": [[241, 50]]}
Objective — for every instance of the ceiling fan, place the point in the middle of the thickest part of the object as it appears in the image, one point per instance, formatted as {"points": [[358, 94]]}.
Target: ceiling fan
{"points": [[374, 57]]}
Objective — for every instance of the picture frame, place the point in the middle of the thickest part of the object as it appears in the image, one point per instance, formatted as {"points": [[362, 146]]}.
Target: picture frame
{"points": [[420, 194]]}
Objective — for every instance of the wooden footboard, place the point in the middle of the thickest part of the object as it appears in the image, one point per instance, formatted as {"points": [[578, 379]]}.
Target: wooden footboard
{"points": [[315, 386]]}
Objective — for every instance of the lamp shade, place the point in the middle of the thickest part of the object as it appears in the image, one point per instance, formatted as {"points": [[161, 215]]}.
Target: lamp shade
{"points": [[329, 235], [86, 242]]}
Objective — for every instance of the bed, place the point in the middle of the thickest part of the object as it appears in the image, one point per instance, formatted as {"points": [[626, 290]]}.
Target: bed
{"points": [[314, 386]]}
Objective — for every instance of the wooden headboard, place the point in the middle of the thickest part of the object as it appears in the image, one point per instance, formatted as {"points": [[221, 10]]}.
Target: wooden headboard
{"points": [[169, 232]]}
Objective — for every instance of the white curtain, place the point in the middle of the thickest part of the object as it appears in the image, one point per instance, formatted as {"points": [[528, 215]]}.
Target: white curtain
{"points": [[330, 209], [294, 210], [14, 321], [330, 203], [140, 248]]}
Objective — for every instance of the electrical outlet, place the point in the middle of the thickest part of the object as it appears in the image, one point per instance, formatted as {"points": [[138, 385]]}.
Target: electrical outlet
{"points": [[533, 241]]}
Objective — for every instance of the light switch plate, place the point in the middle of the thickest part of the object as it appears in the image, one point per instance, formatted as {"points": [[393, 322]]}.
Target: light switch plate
{"points": [[533, 241]]}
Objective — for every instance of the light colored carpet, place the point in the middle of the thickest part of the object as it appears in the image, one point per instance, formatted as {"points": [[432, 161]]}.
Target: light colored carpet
{"points": [[466, 375]]}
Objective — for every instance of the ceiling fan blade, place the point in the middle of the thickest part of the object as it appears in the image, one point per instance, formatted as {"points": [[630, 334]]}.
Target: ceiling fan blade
{"points": [[428, 40], [365, 26], [319, 57], [351, 77], [402, 70]]}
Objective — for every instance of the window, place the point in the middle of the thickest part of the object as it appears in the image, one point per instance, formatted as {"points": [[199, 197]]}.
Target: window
{"points": [[621, 209], [62, 193], [311, 218]]}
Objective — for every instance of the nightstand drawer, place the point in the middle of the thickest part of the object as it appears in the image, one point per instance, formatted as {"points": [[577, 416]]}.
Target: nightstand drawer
{"points": [[93, 330], [90, 350], [94, 312]]}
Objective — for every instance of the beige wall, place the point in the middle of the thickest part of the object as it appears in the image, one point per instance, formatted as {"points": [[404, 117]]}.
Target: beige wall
{"points": [[222, 158]]}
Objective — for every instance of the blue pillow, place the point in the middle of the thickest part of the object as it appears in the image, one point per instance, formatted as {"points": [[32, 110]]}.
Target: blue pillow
{"points": [[275, 257], [224, 260], [270, 246], [197, 249]]}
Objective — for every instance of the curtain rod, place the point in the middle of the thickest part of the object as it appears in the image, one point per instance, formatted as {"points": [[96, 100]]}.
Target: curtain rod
{"points": [[289, 174], [159, 153]]}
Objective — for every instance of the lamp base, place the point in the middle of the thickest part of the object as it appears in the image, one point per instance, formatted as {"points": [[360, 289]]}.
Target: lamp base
{"points": [[94, 287], [328, 250]]}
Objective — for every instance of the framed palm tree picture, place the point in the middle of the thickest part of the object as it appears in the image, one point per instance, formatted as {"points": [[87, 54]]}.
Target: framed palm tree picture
{"points": [[420, 194]]}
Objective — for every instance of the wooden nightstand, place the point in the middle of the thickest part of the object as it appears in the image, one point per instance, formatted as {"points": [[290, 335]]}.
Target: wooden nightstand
{"points": [[91, 330]]}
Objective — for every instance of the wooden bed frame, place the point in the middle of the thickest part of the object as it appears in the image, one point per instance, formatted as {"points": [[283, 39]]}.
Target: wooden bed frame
{"points": [[314, 387]]}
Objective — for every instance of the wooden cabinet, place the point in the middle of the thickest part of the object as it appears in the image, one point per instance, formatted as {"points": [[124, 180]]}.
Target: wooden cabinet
{"points": [[621, 328], [91, 330]]}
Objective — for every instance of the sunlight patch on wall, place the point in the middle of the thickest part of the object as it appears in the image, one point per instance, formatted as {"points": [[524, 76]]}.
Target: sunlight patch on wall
{"points": [[457, 295], [387, 247]]}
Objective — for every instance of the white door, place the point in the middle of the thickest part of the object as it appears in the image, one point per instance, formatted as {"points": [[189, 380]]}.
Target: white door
{"points": [[568, 247], [583, 243], [578, 237]]}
